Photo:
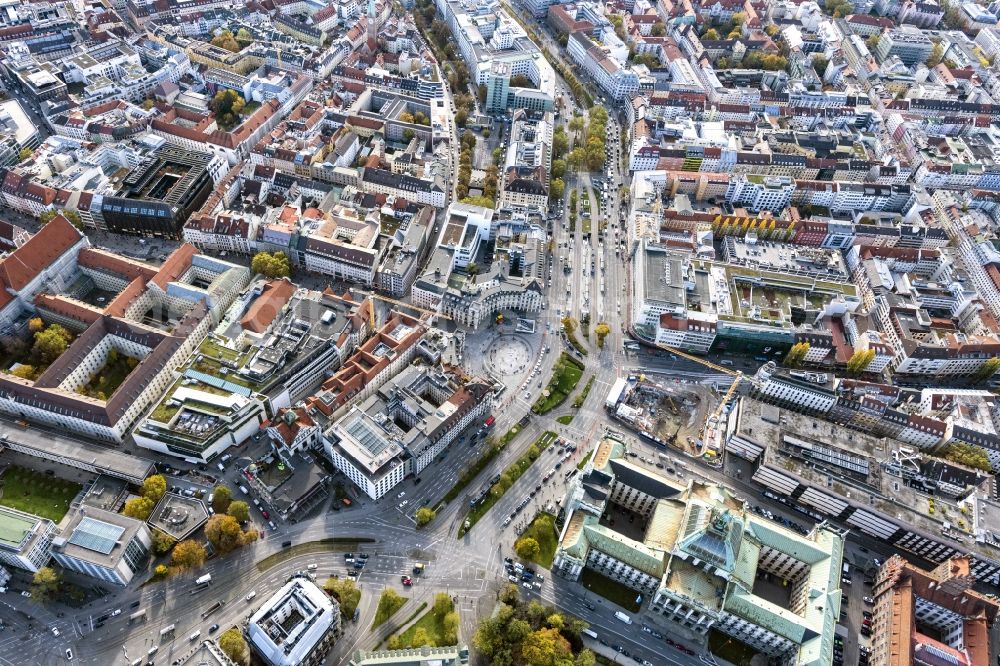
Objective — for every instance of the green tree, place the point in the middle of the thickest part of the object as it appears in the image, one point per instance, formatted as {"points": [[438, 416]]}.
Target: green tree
{"points": [[658, 29], [25, 154], [148, 104], [25, 371], [710, 34], [224, 533], [576, 158], [545, 647], [188, 554], [139, 508], [424, 516], [560, 143], [234, 645], [449, 625], [388, 603], [859, 361], [796, 354], [243, 36], [221, 498], [239, 510], [153, 487], [527, 548], [225, 40], [558, 168], [227, 106], [987, 369], [937, 54], [162, 542], [872, 42], [420, 638], [161, 570], [442, 604], [601, 330], [819, 63], [346, 593], [557, 188], [51, 343], [968, 455], [272, 265], [45, 583]]}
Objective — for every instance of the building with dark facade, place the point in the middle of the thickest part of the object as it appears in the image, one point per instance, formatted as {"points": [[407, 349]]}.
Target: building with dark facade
{"points": [[157, 196]]}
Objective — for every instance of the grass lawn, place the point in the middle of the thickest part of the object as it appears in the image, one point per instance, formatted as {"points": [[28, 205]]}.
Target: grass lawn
{"points": [[210, 348], [543, 530], [565, 376], [37, 493], [578, 400], [471, 473], [430, 622], [107, 380], [512, 473], [730, 649], [565, 419], [164, 412], [583, 461], [611, 590], [390, 602]]}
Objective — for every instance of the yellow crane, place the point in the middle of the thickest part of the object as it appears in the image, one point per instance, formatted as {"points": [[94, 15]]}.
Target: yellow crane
{"points": [[386, 299], [737, 376], [698, 359]]}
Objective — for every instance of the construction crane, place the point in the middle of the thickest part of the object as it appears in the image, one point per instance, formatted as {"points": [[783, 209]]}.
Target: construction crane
{"points": [[374, 297], [699, 360], [737, 376]]}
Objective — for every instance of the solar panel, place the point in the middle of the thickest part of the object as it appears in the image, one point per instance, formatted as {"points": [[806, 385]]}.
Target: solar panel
{"points": [[96, 535]]}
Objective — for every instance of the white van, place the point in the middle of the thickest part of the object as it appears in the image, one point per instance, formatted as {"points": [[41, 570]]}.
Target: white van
{"points": [[243, 489], [313, 567], [250, 596], [623, 617], [193, 637]]}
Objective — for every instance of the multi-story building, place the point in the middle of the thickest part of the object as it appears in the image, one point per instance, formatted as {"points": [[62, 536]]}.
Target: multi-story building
{"points": [[908, 44], [616, 79], [107, 546], [156, 198], [497, 49], [700, 554], [930, 617], [525, 172], [399, 431], [26, 541], [296, 626], [811, 460]]}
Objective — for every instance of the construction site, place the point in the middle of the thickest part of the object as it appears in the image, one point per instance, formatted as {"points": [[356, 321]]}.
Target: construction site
{"points": [[667, 410]]}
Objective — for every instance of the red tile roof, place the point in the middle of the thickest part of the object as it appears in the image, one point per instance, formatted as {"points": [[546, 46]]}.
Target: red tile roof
{"points": [[267, 306], [25, 263], [175, 265]]}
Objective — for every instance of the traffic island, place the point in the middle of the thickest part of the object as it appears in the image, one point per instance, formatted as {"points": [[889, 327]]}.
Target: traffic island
{"points": [[435, 628], [508, 478], [541, 531]]}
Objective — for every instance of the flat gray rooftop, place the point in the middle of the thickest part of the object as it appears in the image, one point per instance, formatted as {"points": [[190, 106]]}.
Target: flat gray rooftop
{"points": [[76, 453]]}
